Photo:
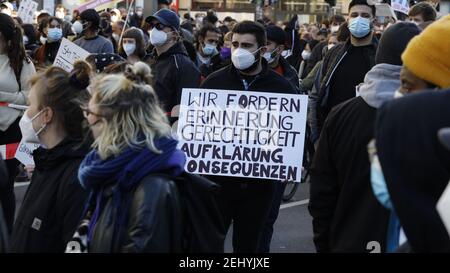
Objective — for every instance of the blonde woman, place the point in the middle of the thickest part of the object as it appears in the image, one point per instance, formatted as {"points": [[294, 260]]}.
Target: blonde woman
{"points": [[134, 205]]}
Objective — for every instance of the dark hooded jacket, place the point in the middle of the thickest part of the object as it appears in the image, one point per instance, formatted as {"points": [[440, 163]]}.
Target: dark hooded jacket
{"points": [[346, 215], [173, 71], [416, 166], [54, 201]]}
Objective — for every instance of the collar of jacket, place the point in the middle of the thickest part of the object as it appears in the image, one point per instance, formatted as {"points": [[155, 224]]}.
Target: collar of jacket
{"points": [[177, 48], [265, 69], [69, 148], [373, 44], [289, 71]]}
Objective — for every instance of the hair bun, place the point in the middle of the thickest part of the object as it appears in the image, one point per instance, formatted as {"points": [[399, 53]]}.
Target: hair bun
{"points": [[139, 72], [80, 75]]}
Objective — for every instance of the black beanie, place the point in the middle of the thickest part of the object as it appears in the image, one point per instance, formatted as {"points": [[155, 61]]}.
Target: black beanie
{"points": [[276, 34], [394, 41]]}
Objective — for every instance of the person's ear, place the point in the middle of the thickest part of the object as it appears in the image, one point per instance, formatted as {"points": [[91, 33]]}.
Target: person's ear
{"points": [[263, 50], [48, 115]]}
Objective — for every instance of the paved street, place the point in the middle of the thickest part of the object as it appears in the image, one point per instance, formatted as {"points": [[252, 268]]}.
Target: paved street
{"points": [[293, 228], [292, 231]]}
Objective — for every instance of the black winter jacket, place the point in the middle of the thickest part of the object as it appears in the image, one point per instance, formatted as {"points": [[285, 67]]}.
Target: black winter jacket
{"points": [[330, 63], [346, 214], [154, 220], [290, 74], [216, 63], [54, 201], [266, 81], [174, 71], [416, 166]]}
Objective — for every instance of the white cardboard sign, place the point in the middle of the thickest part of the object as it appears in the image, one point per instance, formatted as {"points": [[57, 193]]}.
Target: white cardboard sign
{"points": [[400, 5], [24, 153], [26, 11], [243, 133], [68, 53]]}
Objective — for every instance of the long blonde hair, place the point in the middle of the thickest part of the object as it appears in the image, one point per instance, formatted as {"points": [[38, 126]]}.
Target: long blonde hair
{"points": [[132, 113]]}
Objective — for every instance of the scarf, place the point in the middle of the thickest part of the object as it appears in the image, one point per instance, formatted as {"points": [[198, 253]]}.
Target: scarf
{"points": [[127, 170]]}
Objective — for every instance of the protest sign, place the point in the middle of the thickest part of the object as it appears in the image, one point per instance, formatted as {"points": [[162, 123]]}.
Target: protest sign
{"points": [[400, 5], [26, 11], [243, 134], [49, 6], [96, 4], [384, 11], [24, 153], [68, 53]]}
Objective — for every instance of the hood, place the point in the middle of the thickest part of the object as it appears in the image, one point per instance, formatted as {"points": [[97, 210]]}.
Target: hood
{"points": [[380, 84], [177, 48], [68, 149]]}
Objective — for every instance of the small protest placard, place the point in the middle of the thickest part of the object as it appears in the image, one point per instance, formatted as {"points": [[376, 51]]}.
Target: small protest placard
{"points": [[24, 153], [243, 134], [68, 53], [400, 5], [26, 11]]}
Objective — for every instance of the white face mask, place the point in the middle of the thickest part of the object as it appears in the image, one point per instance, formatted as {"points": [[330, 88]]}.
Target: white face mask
{"points": [[330, 46], [306, 55], [269, 56], [43, 40], [60, 14], [26, 128], [158, 37], [139, 13], [129, 48], [6, 11], [116, 37], [243, 59], [77, 27], [25, 40], [334, 29], [114, 18]]}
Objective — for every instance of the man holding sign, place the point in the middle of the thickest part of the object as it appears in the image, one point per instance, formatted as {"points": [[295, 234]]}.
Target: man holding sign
{"points": [[247, 201]]}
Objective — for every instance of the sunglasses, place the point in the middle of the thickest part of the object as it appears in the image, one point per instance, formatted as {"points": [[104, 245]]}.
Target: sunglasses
{"points": [[157, 25]]}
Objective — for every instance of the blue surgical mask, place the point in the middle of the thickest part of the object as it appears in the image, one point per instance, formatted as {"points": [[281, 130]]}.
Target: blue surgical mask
{"points": [[54, 34], [378, 183], [359, 26], [209, 49]]}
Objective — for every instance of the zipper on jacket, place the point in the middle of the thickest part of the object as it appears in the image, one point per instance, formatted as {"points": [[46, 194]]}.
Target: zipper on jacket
{"points": [[335, 67]]}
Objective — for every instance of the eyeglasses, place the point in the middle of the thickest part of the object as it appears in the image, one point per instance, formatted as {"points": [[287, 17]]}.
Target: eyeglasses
{"points": [[87, 112], [157, 25]]}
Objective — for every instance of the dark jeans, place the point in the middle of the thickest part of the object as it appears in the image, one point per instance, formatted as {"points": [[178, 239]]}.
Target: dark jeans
{"points": [[7, 198], [247, 205], [266, 237]]}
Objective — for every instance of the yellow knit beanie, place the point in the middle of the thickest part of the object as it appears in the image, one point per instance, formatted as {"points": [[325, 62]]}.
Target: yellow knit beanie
{"points": [[428, 54]]}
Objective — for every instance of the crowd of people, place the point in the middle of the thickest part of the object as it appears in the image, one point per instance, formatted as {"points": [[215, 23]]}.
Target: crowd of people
{"points": [[107, 173]]}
